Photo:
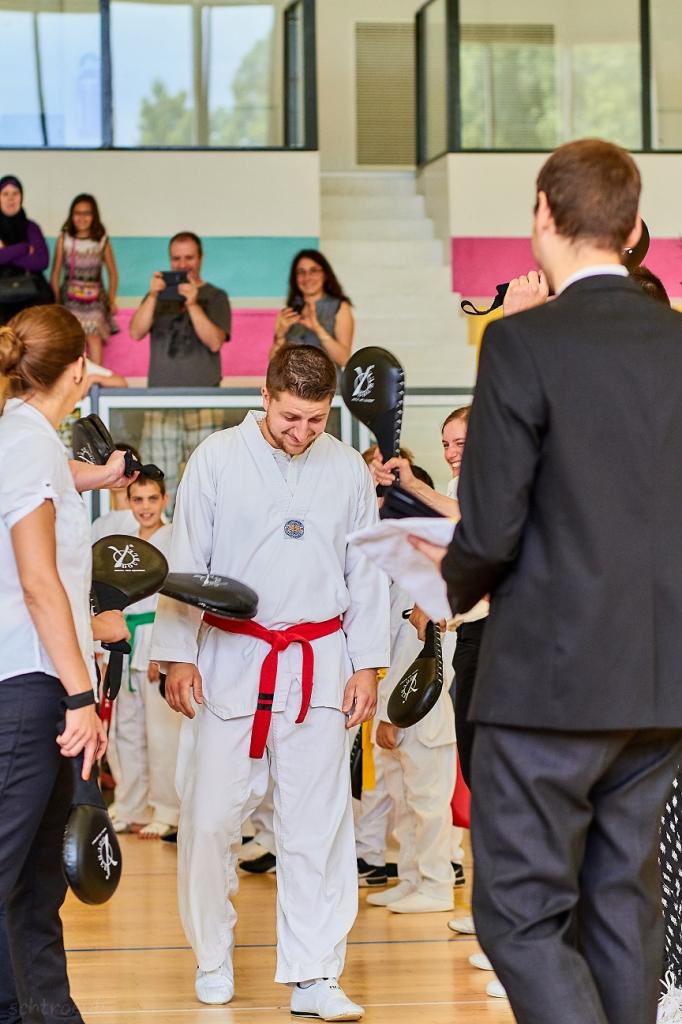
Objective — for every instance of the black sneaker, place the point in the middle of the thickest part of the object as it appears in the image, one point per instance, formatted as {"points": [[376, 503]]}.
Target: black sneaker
{"points": [[369, 875], [459, 874], [264, 865]]}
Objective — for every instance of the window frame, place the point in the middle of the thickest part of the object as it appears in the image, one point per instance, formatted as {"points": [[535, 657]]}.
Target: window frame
{"points": [[310, 132], [453, 90]]}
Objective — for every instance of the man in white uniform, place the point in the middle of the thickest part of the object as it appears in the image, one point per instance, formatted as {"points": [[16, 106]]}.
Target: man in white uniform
{"points": [[270, 502]]}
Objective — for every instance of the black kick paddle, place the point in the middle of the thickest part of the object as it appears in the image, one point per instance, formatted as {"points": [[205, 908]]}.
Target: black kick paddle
{"points": [[418, 690], [125, 569], [91, 442], [91, 855]]}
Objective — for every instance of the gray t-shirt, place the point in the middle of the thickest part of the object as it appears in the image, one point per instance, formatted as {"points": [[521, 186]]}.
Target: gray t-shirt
{"points": [[177, 357], [327, 308]]}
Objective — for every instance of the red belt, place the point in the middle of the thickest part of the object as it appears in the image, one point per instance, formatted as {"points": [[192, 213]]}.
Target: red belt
{"points": [[279, 640]]}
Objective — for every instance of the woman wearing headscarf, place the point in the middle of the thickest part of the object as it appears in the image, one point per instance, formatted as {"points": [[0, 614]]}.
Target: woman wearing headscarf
{"points": [[23, 254]]}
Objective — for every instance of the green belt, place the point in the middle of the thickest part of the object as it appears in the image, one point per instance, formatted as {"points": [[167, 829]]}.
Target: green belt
{"points": [[133, 620]]}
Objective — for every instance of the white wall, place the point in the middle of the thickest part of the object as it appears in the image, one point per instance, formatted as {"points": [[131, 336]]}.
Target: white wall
{"points": [[492, 194], [142, 193]]}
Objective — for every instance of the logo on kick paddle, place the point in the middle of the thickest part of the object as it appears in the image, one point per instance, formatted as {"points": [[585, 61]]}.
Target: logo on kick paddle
{"points": [[409, 686], [363, 384], [84, 454], [125, 559], [105, 854], [207, 580]]}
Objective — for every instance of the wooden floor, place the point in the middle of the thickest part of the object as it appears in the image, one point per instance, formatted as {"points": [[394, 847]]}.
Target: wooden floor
{"points": [[129, 961]]}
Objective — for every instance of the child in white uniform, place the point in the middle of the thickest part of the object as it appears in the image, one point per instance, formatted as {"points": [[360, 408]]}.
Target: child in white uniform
{"points": [[419, 769], [145, 730]]}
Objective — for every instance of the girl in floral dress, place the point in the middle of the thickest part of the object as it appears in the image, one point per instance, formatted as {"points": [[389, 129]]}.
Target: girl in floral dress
{"points": [[83, 248]]}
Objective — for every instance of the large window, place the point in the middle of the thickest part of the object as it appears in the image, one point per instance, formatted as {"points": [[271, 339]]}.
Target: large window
{"points": [[156, 73], [50, 73], [531, 75], [559, 72], [195, 75]]}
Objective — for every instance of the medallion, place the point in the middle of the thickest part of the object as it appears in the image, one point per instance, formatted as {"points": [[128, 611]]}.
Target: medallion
{"points": [[294, 528]]}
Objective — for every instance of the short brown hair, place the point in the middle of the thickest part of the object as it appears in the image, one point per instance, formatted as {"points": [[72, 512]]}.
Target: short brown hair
{"points": [[457, 414], [142, 480], [304, 370], [592, 188], [36, 346], [187, 236]]}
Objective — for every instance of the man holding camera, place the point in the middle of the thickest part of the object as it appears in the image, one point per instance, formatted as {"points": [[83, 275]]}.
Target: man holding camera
{"points": [[189, 320]]}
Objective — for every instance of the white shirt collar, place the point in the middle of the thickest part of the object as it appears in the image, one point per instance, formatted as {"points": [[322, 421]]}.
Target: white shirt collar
{"points": [[616, 269]]}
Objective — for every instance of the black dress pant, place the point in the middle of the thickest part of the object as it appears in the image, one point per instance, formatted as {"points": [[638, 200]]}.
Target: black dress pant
{"points": [[567, 889], [465, 663], [35, 798]]}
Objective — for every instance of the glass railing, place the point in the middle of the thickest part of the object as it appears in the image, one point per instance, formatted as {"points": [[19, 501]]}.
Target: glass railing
{"points": [[138, 416]]}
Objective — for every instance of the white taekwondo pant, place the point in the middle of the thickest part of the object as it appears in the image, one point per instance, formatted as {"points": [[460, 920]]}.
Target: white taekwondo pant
{"points": [[420, 780], [145, 735], [262, 820], [220, 786]]}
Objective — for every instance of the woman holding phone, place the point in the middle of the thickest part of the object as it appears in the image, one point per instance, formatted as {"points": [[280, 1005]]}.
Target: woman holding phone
{"points": [[46, 671], [317, 311]]}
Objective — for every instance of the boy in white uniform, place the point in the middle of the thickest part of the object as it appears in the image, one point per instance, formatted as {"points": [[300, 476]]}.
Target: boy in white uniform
{"points": [[419, 768], [145, 730], [271, 502]]}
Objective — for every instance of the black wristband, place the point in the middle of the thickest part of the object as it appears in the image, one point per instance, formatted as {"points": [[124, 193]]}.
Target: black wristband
{"points": [[78, 700]]}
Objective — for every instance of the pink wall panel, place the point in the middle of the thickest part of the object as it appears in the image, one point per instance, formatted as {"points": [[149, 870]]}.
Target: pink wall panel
{"points": [[479, 264], [246, 355]]}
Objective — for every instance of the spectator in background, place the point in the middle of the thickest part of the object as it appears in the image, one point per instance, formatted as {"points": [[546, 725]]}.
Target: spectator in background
{"points": [[23, 254], [188, 327], [317, 311], [82, 249]]}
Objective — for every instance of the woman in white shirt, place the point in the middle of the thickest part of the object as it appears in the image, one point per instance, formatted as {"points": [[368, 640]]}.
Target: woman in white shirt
{"points": [[46, 661]]}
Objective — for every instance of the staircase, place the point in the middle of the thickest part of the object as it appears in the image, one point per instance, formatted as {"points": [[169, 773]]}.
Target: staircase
{"points": [[383, 248]]}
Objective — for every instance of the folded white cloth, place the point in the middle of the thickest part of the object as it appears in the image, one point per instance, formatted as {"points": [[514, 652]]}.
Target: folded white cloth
{"points": [[386, 544]]}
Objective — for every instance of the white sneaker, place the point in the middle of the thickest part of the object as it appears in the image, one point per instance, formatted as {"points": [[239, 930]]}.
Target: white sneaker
{"points": [[216, 987], [325, 1000], [496, 990], [481, 961], [390, 895], [418, 903], [670, 1005], [251, 851], [462, 925]]}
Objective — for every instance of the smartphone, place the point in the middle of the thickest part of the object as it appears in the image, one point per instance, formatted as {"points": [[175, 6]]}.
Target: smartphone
{"points": [[298, 305], [172, 279]]}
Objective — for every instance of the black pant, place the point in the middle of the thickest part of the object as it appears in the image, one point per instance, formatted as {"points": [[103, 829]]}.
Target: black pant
{"points": [[465, 663], [35, 797], [567, 889]]}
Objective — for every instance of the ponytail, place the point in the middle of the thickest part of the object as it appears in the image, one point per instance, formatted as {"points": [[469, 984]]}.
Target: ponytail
{"points": [[36, 346]]}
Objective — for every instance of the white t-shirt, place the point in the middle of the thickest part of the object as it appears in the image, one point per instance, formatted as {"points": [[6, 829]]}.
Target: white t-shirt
{"points": [[119, 520], [451, 489], [95, 370], [34, 468]]}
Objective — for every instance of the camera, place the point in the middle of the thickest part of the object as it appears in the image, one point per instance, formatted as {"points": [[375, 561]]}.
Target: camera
{"points": [[172, 279], [298, 305]]}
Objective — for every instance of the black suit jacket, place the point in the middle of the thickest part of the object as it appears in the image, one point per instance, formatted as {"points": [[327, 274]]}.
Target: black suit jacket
{"points": [[571, 498]]}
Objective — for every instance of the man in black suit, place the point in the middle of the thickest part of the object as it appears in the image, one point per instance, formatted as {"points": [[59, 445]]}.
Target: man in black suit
{"points": [[571, 499]]}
